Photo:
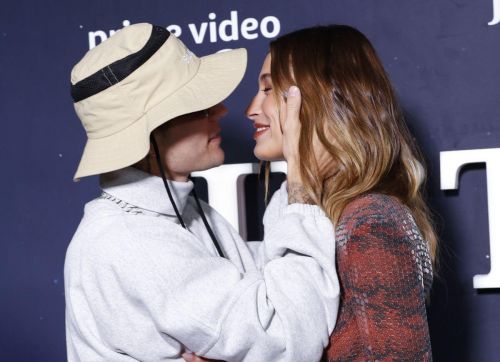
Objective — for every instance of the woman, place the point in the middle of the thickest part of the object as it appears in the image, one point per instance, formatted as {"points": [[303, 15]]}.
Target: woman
{"points": [[360, 163]]}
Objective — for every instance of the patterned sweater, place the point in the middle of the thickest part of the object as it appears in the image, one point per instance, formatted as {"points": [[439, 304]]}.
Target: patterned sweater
{"points": [[385, 274]]}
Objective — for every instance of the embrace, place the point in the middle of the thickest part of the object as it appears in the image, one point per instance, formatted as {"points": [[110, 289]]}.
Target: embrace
{"points": [[155, 274]]}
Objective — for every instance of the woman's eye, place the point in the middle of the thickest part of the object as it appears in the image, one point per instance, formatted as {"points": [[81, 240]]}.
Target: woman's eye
{"points": [[266, 90]]}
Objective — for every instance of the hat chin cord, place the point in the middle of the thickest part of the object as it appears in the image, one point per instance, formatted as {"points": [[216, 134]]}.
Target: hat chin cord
{"points": [[171, 198]]}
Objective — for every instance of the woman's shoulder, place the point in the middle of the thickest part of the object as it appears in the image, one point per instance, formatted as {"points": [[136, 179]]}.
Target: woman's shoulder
{"points": [[377, 215], [374, 205], [377, 228]]}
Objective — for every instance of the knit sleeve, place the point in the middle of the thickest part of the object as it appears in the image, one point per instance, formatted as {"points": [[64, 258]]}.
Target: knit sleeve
{"points": [[379, 268]]}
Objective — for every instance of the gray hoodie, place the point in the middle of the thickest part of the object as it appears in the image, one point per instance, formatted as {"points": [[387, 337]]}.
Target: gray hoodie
{"points": [[139, 287]]}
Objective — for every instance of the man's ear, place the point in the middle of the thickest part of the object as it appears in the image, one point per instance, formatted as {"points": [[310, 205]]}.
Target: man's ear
{"points": [[156, 137], [147, 161], [151, 153]]}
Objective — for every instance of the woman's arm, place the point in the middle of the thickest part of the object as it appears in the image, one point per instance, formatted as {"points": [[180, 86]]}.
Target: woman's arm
{"points": [[380, 273]]}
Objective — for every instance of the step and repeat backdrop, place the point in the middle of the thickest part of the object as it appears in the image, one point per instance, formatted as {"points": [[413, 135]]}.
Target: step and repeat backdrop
{"points": [[443, 57]]}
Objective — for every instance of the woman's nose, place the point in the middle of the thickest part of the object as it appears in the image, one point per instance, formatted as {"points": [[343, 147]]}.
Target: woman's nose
{"points": [[253, 108]]}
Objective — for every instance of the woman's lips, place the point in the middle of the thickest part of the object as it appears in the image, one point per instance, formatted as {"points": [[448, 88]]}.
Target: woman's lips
{"points": [[260, 130]]}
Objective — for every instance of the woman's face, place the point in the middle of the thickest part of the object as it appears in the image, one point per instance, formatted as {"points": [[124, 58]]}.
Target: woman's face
{"points": [[263, 112]]}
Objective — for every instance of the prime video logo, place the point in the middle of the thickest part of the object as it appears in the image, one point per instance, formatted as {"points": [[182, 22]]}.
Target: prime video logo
{"points": [[214, 29]]}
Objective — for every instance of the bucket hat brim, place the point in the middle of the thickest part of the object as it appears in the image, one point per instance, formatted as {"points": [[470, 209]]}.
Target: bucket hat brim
{"points": [[217, 76]]}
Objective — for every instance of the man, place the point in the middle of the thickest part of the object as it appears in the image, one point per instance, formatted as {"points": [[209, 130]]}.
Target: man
{"points": [[149, 276]]}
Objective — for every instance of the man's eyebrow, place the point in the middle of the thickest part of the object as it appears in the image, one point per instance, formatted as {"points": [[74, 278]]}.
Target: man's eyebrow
{"points": [[265, 76]]}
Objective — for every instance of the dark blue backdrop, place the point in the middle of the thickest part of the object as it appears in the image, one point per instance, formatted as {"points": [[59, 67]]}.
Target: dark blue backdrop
{"points": [[441, 55]]}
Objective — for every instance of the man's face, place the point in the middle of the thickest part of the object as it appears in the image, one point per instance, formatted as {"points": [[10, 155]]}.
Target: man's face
{"points": [[191, 142]]}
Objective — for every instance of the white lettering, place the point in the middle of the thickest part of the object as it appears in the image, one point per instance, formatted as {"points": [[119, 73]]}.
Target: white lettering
{"points": [[280, 166], [233, 23], [223, 192], [198, 36], [93, 35], [496, 13], [264, 26], [230, 29], [227, 30], [175, 29], [102, 35], [451, 163], [248, 25], [213, 28]]}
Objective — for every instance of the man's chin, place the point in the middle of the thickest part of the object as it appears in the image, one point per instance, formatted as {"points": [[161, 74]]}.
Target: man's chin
{"points": [[213, 162]]}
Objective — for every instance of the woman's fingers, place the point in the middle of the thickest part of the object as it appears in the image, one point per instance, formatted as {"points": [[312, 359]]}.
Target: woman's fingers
{"points": [[291, 127], [291, 133], [293, 105]]}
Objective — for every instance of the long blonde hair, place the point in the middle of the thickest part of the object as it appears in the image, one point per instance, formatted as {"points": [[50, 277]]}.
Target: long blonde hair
{"points": [[350, 107]]}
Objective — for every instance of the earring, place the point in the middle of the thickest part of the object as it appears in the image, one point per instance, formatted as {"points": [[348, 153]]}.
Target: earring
{"points": [[207, 113]]}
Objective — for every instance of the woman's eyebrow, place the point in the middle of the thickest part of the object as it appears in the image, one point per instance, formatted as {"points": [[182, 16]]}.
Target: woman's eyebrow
{"points": [[265, 76]]}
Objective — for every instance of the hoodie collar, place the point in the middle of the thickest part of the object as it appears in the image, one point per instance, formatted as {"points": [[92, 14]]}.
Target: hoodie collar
{"points": [[145, 191]]}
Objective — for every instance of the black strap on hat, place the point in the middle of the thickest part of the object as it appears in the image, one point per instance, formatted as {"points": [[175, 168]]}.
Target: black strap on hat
{"points": [[164, 178], [171, 198], [120, 69]]}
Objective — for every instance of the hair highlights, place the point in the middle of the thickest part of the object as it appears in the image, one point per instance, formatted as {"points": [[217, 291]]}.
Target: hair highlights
{"points": [[354, 139]]}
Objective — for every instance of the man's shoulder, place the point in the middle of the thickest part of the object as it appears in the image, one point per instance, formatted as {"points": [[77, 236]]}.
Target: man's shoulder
{"points": [[101, 229], [107, 225], [100, 219], [110, 228]]}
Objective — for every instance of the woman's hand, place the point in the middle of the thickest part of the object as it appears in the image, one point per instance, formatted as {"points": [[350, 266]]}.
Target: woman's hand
{"points": [[291, 133], [191, 357]]}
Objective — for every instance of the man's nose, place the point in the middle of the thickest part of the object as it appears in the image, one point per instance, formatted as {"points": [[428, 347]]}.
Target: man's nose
{"points": [[217, 112]]}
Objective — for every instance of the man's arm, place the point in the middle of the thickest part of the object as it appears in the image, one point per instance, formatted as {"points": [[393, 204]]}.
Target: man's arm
{"points": [[157, 293]]}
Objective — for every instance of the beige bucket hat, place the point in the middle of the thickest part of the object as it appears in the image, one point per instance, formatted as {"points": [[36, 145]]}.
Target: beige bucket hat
{"points": [[138, 79]]}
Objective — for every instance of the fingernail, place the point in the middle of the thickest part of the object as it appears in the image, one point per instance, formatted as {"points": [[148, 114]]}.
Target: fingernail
{"points": [[187, 356], [293, 91]]}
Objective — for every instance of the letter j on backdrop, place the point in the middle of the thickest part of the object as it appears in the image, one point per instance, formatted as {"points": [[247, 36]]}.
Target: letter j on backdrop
{"points": [[451, 163]]}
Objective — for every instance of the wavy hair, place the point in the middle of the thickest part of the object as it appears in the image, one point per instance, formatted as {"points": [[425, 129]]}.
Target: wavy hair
{"points": [[350, 114]]}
